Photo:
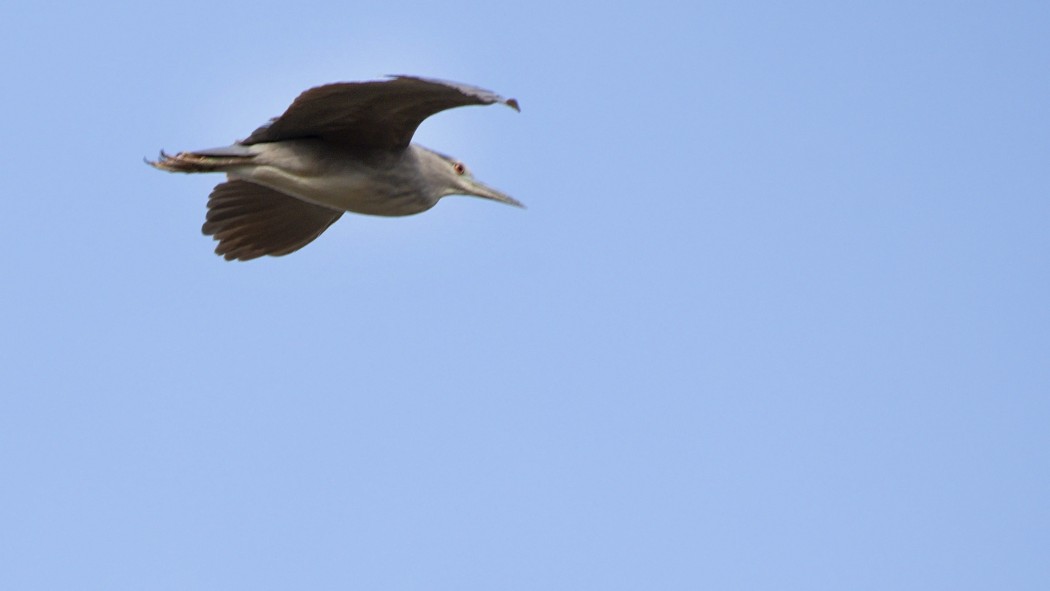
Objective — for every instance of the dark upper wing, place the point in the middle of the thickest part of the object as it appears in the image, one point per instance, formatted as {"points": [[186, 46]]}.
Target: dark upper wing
{"points": [[382, 114], [250, 221]]}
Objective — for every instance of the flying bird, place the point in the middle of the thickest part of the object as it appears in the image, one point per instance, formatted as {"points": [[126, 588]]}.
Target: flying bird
{"points": [[339, 147]]}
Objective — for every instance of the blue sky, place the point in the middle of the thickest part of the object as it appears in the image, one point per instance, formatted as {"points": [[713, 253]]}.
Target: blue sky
{"points": [[775, 318]]}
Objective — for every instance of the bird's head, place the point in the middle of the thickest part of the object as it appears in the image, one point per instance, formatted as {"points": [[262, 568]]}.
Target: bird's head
{"points": [[454, 178]]}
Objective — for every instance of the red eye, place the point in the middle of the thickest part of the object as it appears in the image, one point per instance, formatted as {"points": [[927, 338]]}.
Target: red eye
{"points": [[459, 168]]}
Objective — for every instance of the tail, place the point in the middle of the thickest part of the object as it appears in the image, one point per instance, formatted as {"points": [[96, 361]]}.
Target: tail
{"points": [[198, 161]]}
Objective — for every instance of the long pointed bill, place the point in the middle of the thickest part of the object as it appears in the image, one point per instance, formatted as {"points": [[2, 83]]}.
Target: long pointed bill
{"points": [[479, 190]]}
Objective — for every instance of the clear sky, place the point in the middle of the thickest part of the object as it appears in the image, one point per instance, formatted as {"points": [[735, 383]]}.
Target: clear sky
{"points": [[776, 316]]}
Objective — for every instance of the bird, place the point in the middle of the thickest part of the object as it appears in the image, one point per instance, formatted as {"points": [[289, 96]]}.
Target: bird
{"points": [[341, 147]]}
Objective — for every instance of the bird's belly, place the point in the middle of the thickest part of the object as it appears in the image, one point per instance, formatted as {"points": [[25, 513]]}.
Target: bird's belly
{"points": [[295, 170]]}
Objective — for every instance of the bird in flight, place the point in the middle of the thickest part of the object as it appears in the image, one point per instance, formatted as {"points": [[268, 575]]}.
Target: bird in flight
{"points": [[339, 147]]}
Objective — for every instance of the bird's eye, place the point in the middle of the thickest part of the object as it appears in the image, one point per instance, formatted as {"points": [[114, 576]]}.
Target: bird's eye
{"points": [[459, 168]]}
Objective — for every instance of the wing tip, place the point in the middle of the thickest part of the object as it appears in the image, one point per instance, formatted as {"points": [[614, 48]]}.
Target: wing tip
{"points": [[491, 97]]}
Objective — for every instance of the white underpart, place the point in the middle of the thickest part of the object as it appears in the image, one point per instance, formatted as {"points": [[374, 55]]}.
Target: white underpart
{"points": [[314, 172]]}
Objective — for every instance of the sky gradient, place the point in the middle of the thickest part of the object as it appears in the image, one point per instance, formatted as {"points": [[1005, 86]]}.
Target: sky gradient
{"points": [[775, 317]]}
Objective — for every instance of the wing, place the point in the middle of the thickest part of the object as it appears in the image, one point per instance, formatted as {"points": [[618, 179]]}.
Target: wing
{"points": [[382, 114], [250, 221]]}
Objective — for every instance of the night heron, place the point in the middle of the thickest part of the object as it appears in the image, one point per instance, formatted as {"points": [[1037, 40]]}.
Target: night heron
{"points": [[339, 147]]}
